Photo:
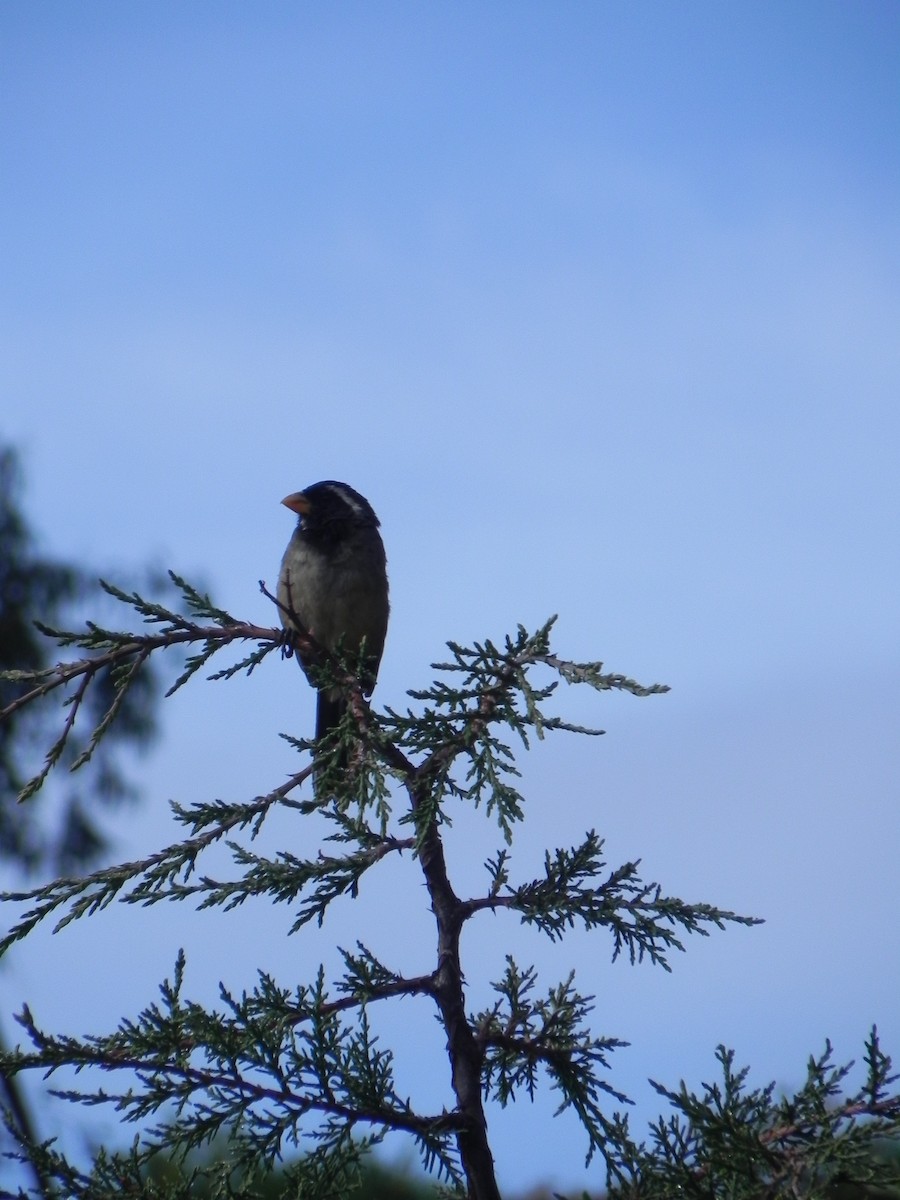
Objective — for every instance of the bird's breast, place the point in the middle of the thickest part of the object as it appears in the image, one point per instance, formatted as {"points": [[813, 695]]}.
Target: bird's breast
{"points": [[337, 593]]}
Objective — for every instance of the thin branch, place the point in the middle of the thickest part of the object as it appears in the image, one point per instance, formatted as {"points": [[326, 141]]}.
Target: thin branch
{"points": [[417, 986], [99, 888], [139, 644], [202, 1080], [25, 1131]]}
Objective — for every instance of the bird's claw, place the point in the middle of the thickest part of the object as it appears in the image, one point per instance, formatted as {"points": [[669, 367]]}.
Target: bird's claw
{"points": [[287, 643]]}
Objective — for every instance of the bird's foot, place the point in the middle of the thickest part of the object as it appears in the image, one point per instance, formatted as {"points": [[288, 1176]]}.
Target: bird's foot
{"points": [[287, 643]]}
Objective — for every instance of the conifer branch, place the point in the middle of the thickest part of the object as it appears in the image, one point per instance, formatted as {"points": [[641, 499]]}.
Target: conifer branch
{"points": [[277, 1069], [642, 920], [736, 1140], [144, 881], [123, 654]]}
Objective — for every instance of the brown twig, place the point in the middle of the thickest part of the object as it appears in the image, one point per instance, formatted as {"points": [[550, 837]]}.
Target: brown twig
{"points": [[417, 986], [64, 673]]}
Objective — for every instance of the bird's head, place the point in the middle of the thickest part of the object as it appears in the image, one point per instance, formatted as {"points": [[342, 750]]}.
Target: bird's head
{"points": [[330, 503]]}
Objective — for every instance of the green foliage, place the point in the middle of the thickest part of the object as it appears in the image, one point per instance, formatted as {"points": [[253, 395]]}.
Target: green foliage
{"points": [[739, 1141], [294, 1075], [370, 1180]]}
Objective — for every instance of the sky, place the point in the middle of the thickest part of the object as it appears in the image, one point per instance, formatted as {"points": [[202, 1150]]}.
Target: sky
{"points": [[597, 303]]}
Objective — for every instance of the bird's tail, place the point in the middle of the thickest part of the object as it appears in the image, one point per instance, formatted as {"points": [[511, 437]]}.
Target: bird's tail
{"points": [[329, 711]]}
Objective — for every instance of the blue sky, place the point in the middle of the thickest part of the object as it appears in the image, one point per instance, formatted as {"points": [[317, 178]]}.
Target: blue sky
{"points": [[598, 304]]}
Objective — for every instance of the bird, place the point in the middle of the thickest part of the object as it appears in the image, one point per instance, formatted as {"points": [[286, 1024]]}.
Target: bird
{"points": [[333, 580]]}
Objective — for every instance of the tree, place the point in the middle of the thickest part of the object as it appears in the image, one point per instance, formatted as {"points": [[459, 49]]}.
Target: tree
{"points": [[275, 1068], [65, 832], [33, 586]]}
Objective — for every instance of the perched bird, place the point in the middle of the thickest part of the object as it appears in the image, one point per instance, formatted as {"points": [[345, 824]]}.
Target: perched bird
{"points": [[334, 580]]}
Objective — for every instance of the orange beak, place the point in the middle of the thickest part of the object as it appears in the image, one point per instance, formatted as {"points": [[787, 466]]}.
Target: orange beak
{"points": [[297, 502]]}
